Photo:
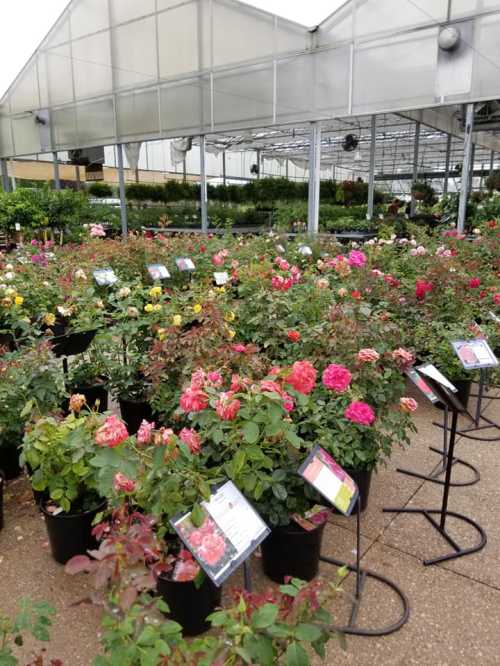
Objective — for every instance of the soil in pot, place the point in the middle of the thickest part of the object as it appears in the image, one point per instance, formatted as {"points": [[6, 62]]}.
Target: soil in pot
{"points": [[70, 534], [292, 551], [190, 606], [9, 459], [2, 484], [133, 413]]}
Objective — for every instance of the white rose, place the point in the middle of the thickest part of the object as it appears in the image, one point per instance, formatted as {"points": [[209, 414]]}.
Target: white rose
{"points": [[123, 292], [9, 267], [80, 274], [9, 276]]}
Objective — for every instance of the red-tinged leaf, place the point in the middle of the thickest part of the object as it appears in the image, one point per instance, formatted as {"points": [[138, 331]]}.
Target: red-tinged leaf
{"points": [[79, 564], [127, 598], [103, 574]]}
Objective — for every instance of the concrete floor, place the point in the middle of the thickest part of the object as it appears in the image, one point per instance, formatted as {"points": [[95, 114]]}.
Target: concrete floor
{"points": [[455, 606]]}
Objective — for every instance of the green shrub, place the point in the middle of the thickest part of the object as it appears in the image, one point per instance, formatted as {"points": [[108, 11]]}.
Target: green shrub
{"points": [[100, 190]]}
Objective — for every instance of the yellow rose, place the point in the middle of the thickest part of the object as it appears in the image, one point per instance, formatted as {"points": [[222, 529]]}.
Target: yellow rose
{"points": [[155, 292], [149, 307], [176, 320], [230, 316], [19, 300], [49, 319], [231, 333], [220, 290], [161, 333], [197, 308], [157, 307]]}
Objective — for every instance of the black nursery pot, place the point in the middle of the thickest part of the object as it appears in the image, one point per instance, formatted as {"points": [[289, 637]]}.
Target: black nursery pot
{"points": [[2, 484], [133, 413], [70, 534], [92, 394], [9, 460], [363, 479], [188, 605], [292, 551]]}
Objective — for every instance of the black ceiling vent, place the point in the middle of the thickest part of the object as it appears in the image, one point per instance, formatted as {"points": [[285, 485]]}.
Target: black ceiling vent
{"points": [[350, 143]]}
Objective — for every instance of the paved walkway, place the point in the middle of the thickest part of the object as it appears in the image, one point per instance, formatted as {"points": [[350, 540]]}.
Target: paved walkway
{"points": [[455, 606]]}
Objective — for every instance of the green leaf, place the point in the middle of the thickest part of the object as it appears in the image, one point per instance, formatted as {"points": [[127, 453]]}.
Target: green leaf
{"points": [[296, 655], [239, 461], [218, 619], [265, 616], [307, 632], [294, 439], [197, 516], [279, 491], [251, 432]]}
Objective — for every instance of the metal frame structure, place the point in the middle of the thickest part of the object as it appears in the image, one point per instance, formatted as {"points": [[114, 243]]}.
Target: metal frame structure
{"points": [[112, 72]]}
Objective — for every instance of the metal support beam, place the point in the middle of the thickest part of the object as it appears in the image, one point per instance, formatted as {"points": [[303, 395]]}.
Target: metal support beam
{"points": [[447, 165], [413, 204], [5, 176], [203, 185], [464, 194], [258, 162], [57, 180], [471, 169], [13, 181], [492, 162], [224, 167], [314, 179], [371, 173], [121, 182]]}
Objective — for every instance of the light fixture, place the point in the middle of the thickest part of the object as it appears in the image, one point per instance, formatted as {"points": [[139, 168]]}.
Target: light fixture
{"points": [[449, 38]]}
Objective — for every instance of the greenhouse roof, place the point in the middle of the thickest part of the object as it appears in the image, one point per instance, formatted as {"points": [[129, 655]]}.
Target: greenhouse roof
{"points": [[115, 71]]}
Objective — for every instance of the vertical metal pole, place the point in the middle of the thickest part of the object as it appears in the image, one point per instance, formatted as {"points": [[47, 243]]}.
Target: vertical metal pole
{"points": [[464, 194], [415, 165], [286, 168], [5, 176], [121, 182], [371, 174], [258, 163], [314, 178], [203, 186], [447, 165], [184, 170], [57, 180], [13, 175], [471, 170], [492, 162], [224, 167], [449, 466]]}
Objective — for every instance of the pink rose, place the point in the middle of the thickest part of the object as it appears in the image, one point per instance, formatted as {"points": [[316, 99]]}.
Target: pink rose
{"points": [[239, 348], [337, 378], [368, 356], [217, 259], [403, 358], [288, 402], [191, 439], [145, 432], [122, 484], [215, 378], [408, 405], [198, 379], [112, 433], [268, 386], [496, 298], [193, 400], [167, 436], [227, 407], [302, 377], [360, 412], [357, 258]]}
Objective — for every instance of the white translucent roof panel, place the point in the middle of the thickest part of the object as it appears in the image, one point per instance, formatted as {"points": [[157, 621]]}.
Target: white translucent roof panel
{"points": [[123, 70]]}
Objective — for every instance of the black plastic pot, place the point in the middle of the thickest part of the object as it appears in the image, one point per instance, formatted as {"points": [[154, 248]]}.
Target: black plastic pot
{"points": [[70, 534], [2, 484], [292, 551], [9, 460], [363, 479], [188, 605], [463, 394], [92, 394], [74, 343], [133, 413]]}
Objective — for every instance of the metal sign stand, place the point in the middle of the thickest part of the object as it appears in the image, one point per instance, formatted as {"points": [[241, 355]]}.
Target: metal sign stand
{"points": [[362, 575], [443, 512], [440, 467]]}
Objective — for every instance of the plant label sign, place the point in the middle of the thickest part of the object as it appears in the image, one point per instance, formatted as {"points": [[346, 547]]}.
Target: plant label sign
{"points": [[158, 272], [305, 251], [475, 354], [432, 372], [105, 277], [329, 479], [221, 278], [185, 264], [230, 532], [422, 385], [493, 316]]}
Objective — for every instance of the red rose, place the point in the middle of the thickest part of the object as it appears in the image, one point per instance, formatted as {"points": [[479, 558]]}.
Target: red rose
{"points": [[293, 336], [474, 283]]}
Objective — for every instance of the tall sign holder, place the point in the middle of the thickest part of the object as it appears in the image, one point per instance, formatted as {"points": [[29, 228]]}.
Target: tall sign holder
{"points": [[443, 391], [440, 468], [329, 479]]}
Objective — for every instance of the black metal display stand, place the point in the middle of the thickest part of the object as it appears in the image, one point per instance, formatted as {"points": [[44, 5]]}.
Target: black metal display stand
{"points": [[362, 575], [449, 400], [480, 422], [440, 467]]}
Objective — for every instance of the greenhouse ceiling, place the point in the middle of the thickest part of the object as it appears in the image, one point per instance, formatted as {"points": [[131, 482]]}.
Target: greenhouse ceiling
{"points": [[115, 71]]}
